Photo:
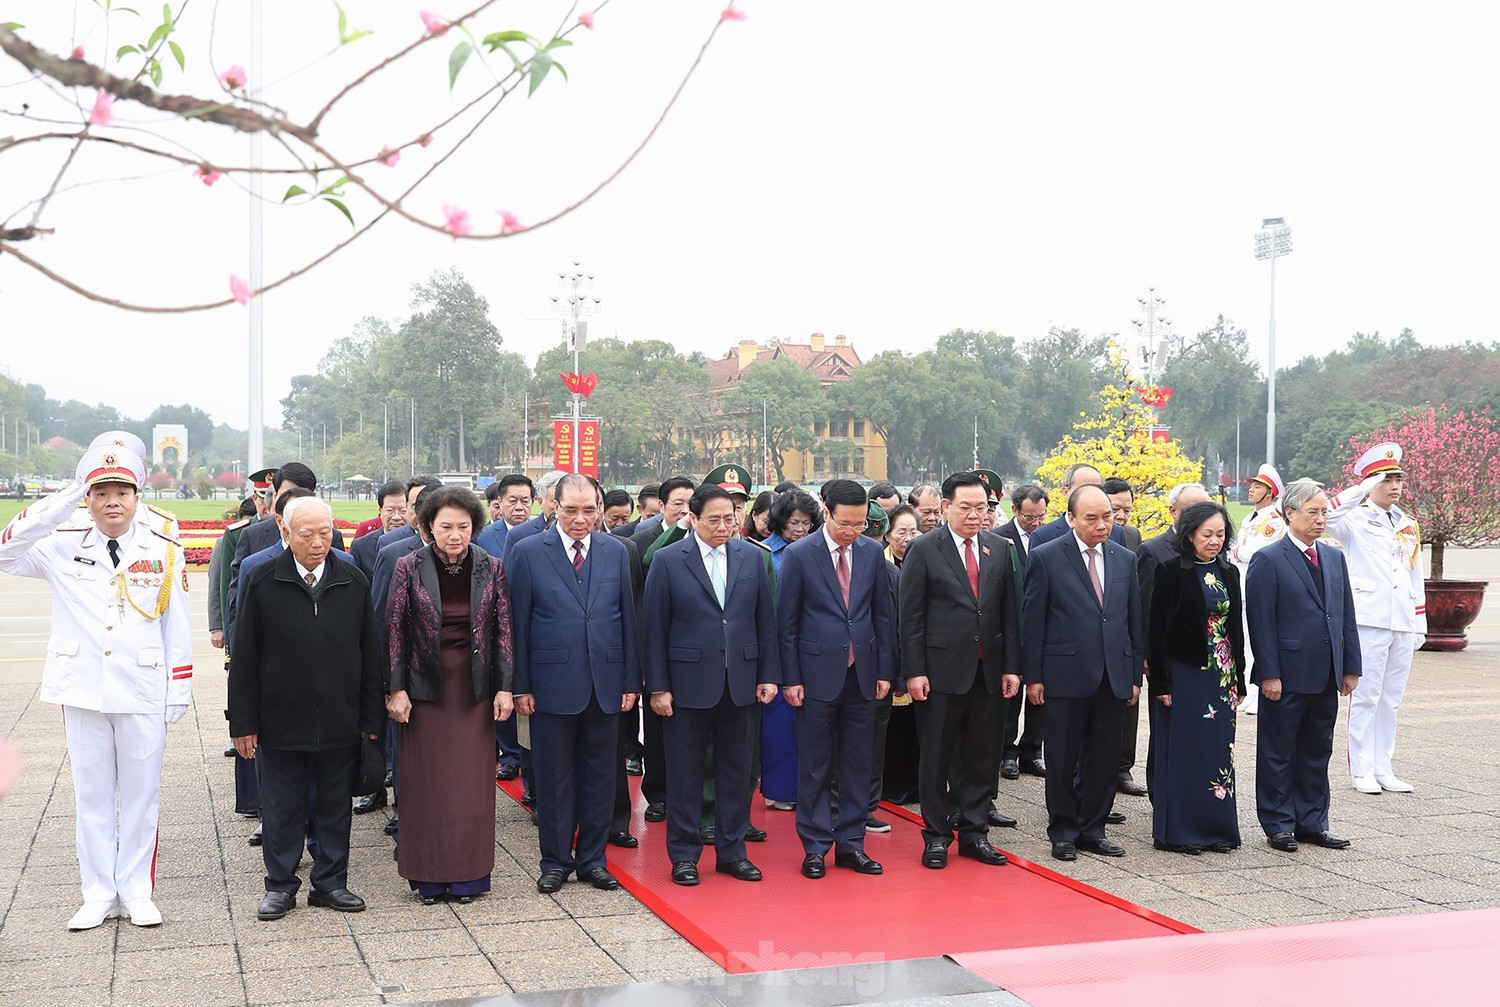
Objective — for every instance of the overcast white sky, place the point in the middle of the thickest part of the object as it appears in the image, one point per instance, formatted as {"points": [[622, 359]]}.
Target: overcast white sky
{"points": [[883, 170]]}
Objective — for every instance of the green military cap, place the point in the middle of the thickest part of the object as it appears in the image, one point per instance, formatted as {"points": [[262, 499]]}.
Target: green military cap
{"points": [[262, 479], [878, 521], [730, 477], [992, 483]]}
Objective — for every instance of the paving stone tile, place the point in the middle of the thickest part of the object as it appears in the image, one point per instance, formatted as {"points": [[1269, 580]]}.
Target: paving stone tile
{"points": [[278, 986], [412, 973], [455, 942], [506, 939], [184, 962]]}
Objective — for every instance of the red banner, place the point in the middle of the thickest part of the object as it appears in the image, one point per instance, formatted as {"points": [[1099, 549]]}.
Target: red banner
{"points": [[588, 446], [562, 445]]}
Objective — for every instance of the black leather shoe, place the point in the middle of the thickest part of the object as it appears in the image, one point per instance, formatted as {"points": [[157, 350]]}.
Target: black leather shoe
{"points": [[1034, 767], [371, 802], [812, 866], [859, 862], [275, 905], [1327, 840], [633, 767], [1283, 841], [742, 870], [1127, 785], [707, 834], [1000, 821], [953, 821], [463, 900], [935, 855], [1101, 847], [340, 900], [656, 811], [528, 798], [1115, 818], [1225, 847], [506, 771], [685, 872], [754, 835], [390, 778], [624, 839], [550, 881], [393, 826], [982, 851], [230, 753], [1064, 851], [1010, 769], [1191, 851], [601, 879], [430, 900], [254, 837]]}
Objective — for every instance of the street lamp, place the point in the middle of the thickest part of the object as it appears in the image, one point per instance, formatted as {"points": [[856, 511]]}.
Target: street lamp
{"points": [[576, 302], [1271, 242], [1153, 331]]}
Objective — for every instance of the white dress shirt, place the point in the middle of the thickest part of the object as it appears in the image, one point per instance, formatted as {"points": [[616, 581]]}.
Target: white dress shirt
{"points": [[833, 553], [317, 571], [1083, 552], [567, 541]]}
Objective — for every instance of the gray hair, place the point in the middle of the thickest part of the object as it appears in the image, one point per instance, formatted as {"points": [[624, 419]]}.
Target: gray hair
{"points": [[1298, 493], [1072, 472], [1175, 493], [301, 503], [545, 483]]}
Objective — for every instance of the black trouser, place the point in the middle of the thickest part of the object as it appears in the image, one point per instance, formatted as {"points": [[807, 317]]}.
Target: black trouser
{"points": [[1293, 743], [574, 758], [687, 735], [1128, 735], [877, 762], [966, 720], [1082, 735], [285, 777]]}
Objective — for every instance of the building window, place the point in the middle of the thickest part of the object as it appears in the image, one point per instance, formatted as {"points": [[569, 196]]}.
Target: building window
{"points": [[859, 463], [859, 428]]}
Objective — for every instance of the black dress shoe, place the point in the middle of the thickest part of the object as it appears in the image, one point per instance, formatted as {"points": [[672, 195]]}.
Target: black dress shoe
{"points": [[858, 861], [371, 802], [935, 855], [1327, 840], [1283, 841], [340, 900], [1115, 818], [624, 839], [656, 811], [393, 826], [230, 753], [550, 881], [953, 821], [982, 851], [390, 778], [1224, 847], [707, 834], [527, 797], [1191, 851], [1010, 769], [275, 905], [1034, 767], [1064, 851], [685, 872], [812, 866], [1101, 847], [742, 870], [601, 879], [506, 771], [254, 837], [633, 767], [1127, 785], [463, 900], [754, 835], [430, 900], [1000, 821]]}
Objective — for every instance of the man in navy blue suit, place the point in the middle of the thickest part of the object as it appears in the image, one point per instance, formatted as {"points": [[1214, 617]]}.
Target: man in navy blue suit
{"points": [[709, 643], [1081, 651], [547, 495], [1300, 610], [392, 499], [838, 647], [510, 507], [1081, 474], [577, 670]]}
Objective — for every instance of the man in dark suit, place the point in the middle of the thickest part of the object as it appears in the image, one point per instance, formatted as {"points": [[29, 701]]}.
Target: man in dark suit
{"points": [[264, 533], [1300, 610], [577, 670], [959, 638], [838, 647], [1028, 507], [1081, 474], [546, 491], [675, 494], [512, 504], [1082, 642], [710, 656], [648, 500], [1122, 505], [392, 499]]}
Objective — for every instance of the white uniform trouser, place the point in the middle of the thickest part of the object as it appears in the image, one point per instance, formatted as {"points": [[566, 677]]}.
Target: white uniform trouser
{"points": [[1385, 659], [116, 757], [1251, 705]]}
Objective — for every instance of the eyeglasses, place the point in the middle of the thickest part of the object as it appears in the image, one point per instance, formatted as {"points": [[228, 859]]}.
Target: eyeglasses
{"points": [[799, 526], [573, 512], [718, 522], [967, 509], [1322, 512], [857, 526]]}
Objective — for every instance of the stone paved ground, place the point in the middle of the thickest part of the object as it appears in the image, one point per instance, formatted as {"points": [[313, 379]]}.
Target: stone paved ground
{"points": [[1433, 850]]}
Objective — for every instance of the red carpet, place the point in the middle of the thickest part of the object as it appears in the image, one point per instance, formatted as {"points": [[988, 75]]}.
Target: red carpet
{"points": [[788, 921], [1436, 958]]}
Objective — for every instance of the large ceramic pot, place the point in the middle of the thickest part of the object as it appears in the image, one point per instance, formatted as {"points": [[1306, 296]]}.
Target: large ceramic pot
{"points": [[1452, 605]]}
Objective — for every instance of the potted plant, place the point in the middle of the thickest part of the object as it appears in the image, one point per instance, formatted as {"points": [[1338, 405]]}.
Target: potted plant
{"points": [[1452, 466]]}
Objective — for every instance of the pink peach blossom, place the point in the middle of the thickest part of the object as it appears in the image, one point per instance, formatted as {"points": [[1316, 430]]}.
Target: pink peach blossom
{"points": [[77, 52], [433, 23], [239, 289], [509, 222], [459, 224], [731, 13], [104, 110], [208, 176], [425, 140], [235, 78], [587, 20], [389, 156]]}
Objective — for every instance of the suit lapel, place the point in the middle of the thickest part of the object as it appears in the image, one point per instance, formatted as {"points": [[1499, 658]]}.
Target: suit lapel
{"points": [[589, 570], [1080, 568], [553, 547], [824, 562], [695, 564], [952, 554], [1298, 561], [427, 576], [734, 571]]}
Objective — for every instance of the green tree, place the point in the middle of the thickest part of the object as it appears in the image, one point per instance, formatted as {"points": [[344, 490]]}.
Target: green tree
{"points": [[200, 427], [894, 393], [1061, 373], [1320, 455], [794, 402], [1214, 384]]}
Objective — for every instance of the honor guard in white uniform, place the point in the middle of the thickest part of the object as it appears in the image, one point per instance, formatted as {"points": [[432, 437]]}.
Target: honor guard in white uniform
{"points": [[1263, 526], [163, 521], [1384, 548], [119, 662]]}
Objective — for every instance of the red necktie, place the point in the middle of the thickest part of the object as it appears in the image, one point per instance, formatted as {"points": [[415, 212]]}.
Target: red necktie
{"points": [[1312, 555], [577, 555], [843, 572], [972, 565]]}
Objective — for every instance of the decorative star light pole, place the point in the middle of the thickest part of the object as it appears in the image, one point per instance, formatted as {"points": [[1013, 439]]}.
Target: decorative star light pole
{"points": [[1271, 242], [576, 302]]}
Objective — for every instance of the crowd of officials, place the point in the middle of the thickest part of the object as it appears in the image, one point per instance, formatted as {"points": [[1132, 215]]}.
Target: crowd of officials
{"points": [[825, 650]]}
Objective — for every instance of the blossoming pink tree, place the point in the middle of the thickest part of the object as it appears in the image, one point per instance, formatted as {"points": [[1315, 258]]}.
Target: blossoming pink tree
{"points": [[96, 92], [1452, 465]]}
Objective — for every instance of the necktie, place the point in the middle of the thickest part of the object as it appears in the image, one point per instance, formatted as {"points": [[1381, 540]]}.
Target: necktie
{"points": [[972, 565], [311, 580], [114, 552], [716, 573], [577, 555], [843, 572], [1094, 575], [1312, 555]]}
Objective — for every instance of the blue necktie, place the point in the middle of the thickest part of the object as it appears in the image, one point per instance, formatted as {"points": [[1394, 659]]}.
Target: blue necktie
{"points": [[716, 573]]}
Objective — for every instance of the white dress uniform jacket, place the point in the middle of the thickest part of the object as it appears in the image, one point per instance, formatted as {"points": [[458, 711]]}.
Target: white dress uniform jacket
{"points": [[1384, 549]]}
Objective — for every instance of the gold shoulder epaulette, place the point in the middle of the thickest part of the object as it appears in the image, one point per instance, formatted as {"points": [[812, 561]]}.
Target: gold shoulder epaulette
{"points": [[243, 522], [165, 537], [162, 512]]}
